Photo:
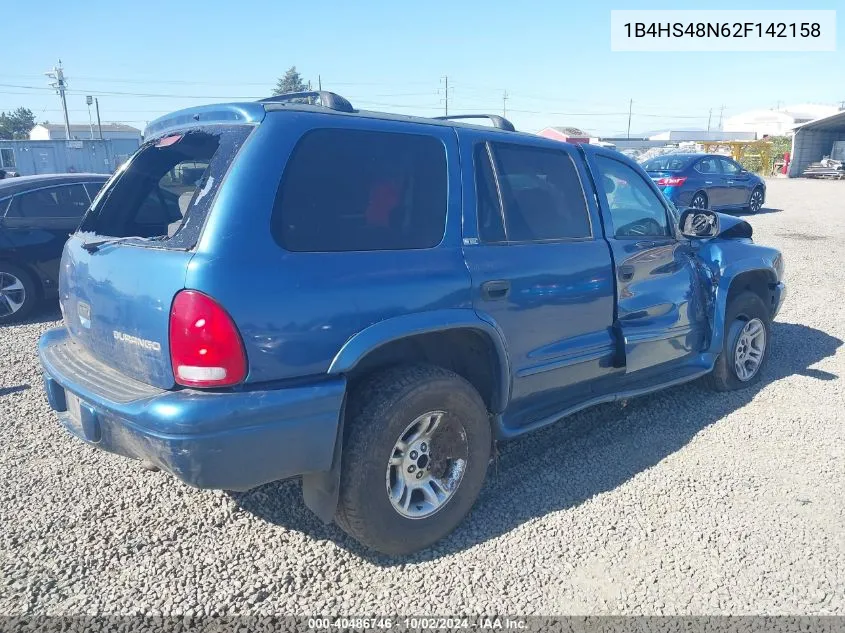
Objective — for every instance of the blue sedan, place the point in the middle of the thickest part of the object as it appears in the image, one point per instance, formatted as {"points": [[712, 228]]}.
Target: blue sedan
{"points": [[706, 181]]}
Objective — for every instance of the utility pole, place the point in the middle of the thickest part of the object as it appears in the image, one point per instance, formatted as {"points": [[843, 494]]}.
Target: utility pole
{"points": [[319, 83], [99, 125], [721, 112], [505, 104], [88, 101], [58, 76], [630, 108], [445, 79], [709, 117]]}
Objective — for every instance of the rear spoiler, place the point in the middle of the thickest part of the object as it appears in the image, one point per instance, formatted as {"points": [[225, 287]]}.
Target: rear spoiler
{"points": [[231, 113]]}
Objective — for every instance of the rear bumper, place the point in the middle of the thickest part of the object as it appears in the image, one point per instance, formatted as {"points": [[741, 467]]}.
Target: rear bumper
{"points": [[231, 440]]}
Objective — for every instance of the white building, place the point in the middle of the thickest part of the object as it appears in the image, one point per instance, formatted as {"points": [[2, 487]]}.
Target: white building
{"points": [[680, 136], [82, 131], [778, 122]]}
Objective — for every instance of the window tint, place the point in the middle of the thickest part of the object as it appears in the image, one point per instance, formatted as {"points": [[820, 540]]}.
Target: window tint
{"points": [[708, 166], [490, 225], [93, 188], [357, 190], [666, 163], [729, 167], [542, 193], [69, 201], [635, 208]]}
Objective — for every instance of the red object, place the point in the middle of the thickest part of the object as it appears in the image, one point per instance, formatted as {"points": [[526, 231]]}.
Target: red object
{"points": [[785, 167], [671, 181], [383, 200], [205, 347]]}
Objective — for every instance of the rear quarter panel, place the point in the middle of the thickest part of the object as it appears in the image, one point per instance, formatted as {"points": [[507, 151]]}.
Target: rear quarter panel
{"points": [[295, 311]]}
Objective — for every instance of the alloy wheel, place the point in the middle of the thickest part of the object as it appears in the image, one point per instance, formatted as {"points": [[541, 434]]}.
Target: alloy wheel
{"points": [[699, 202], [750, 349], [756, 201], [12, 294], [426, 465]]}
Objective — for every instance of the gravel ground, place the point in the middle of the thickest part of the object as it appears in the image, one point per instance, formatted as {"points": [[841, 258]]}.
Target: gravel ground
{"points": [[684, 502]]}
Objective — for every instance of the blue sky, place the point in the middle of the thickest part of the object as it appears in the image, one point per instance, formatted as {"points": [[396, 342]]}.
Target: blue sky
{"points": [[143, 59]]}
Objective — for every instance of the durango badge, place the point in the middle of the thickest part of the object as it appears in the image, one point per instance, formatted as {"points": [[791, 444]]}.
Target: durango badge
{"points": [[138, 342]]}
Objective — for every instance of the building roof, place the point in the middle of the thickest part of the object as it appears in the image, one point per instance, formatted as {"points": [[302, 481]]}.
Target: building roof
{"points": [[85, 127], [570, 131], [835, 121]]}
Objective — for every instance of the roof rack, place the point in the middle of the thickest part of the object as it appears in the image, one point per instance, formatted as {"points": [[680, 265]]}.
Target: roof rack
{"points": [[327, 99], [498, 121]]}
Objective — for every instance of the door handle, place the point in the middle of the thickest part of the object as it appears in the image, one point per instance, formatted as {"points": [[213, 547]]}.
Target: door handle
{"points": [[626, 273], [730, 182], [495, 290], [708, 182]]}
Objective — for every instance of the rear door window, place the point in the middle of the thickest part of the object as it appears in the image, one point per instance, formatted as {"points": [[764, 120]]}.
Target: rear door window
{"points": [[361, 190], [165, 190], [61, 202], [542, 194]]}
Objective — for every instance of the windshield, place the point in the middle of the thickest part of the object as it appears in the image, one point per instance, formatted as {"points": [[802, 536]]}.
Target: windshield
{"points": [[667, 163]]}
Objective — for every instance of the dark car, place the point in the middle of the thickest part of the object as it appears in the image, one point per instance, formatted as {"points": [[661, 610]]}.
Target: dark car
{"points": [[372, 300], [37, 213], [706, 181]]}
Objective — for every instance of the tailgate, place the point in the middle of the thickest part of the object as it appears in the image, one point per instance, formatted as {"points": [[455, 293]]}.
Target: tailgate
{"points": [[119, 313]]}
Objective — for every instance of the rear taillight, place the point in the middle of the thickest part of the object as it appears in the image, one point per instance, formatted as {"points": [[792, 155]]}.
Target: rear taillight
{"points": [[671, 181], [205, 347]]}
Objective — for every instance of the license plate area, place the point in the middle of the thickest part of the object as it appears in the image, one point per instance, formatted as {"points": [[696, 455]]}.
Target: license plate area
{"points": [[73, 418]]}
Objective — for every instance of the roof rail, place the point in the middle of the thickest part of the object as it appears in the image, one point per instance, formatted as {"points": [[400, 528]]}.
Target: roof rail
{"points": [[498, 121], [327, 99]]}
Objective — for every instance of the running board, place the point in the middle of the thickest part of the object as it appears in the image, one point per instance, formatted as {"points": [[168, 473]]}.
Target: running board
{"points": [[504, 432]]}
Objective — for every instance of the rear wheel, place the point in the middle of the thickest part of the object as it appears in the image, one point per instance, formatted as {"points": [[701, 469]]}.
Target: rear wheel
{"points": [[414, 459], [17, 293], [755, 202], [745, 346], [699, 201]]}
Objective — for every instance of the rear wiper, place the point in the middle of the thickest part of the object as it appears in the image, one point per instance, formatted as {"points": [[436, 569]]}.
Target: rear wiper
{"points": [[93, 247]]}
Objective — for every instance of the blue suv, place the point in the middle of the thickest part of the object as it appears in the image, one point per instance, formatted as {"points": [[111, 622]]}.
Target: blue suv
{"points": [[369, 301]]}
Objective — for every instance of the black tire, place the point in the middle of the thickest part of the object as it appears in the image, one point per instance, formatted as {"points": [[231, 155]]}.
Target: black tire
{"points": [[742, 309], [701, 198], [9, 273], [754, 205], [380, 411]]}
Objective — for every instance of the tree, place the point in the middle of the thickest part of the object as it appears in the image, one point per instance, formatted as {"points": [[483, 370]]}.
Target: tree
{"points": [[291, 82], [16, 124]]}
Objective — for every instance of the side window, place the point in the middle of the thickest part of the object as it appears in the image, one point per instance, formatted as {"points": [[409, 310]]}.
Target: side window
{"points": [[635, 208], [358, 190], [542, 194], [69, 201], [490, 225], [707, 166], [729, 168], [93, 188]]}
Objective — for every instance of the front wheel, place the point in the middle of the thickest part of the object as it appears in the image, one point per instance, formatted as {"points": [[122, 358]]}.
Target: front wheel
{"points": [[414, 458], [746, 344]]}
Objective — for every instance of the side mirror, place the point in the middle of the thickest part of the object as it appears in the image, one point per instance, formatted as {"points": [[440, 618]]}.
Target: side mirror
{"points": [[699, 223]]}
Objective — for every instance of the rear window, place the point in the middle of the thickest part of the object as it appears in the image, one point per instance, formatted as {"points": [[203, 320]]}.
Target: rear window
{"points": [[667, 163], [164, 192], [358, 190]]}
